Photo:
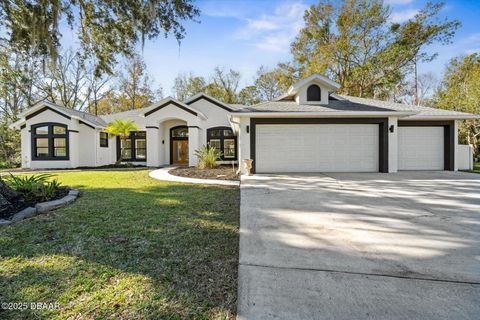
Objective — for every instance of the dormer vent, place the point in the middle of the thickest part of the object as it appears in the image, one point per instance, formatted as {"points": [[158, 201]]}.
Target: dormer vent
{"points": [[314, 93]]}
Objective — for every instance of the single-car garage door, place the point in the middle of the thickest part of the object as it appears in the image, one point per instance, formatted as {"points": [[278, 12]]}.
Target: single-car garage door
{"points": [[421, 148], [317, 148]]}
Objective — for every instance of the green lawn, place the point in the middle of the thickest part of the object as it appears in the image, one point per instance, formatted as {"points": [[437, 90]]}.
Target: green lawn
{"points": [[130, 247]]}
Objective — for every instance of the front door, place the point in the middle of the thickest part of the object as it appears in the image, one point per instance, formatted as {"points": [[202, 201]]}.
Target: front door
{"points": [[180, 152], [179, 145]]}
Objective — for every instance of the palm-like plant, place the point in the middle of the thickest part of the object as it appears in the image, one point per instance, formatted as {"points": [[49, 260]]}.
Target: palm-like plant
{"points": [[121, 129]]}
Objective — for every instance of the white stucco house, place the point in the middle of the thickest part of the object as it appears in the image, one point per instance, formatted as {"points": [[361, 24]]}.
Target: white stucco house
{"points": [[309, 129]]}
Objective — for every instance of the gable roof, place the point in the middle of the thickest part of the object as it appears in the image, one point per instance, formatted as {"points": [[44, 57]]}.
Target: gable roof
{"points": [[315, 78], [166, 102], [38, 108], [210, 99]]}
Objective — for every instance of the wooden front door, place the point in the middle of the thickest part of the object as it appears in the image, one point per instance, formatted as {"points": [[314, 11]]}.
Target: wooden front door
{"points": [[179, 151]]}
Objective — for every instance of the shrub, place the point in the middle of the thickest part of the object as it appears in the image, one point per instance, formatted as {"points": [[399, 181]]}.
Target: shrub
{"points": [[34, 187], [9, 164], [208, 157]]}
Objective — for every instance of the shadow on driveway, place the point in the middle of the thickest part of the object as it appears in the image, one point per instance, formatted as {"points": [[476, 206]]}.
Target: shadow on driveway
{"points": [[359, 246]]}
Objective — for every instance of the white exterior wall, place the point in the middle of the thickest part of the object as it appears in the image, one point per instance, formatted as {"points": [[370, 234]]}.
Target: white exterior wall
{"points": [[158, 140], [393, 145], [216, 117], [48, 116], [26, 147], [301, 97], [105, 156], [193, 145], [153, 147], [464, 157], [87, 147], [243, 141]]}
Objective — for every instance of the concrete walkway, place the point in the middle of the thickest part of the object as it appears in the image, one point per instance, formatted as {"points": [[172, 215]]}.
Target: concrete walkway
{"points": [[360, 246], [162, 174]]}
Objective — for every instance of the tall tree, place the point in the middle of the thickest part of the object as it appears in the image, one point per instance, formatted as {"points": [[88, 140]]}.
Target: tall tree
{"points": [[104, 28], [357, 45], [66, 81], [224, 85], [187, 85], [249, 96], [269, 83], [18, 76], [460, 91], [135, 86], [419, 91]]}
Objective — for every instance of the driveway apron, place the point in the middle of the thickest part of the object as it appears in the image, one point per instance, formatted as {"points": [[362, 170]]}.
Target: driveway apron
{"points": [[360, 246]]}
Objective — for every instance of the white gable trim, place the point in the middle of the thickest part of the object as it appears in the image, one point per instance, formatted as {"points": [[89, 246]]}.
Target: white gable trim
{"points": [[210, 99], [169, 100]]}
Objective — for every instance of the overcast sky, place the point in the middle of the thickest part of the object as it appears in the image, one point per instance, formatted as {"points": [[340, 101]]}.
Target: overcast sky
{"points": [[244, 35]]}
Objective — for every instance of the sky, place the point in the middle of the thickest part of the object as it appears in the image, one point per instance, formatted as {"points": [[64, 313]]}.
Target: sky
{"points": [[246, 34]]}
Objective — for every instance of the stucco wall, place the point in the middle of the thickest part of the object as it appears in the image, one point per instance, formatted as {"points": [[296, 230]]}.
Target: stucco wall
{"points": [[105, 155], [216, 117], [243, 141], [301, 97], [87, 146], [44, 117]]}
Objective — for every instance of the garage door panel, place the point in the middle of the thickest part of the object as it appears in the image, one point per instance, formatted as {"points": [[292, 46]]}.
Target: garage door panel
{"points": [[317, 148], [420, 148]]}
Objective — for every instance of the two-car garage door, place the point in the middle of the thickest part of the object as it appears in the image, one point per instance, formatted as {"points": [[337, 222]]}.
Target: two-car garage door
{"points": [[352, 147], [317, 148]]}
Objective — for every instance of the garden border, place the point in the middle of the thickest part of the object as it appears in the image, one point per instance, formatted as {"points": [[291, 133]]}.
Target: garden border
{"points": [[164, 175], [42, 207]]}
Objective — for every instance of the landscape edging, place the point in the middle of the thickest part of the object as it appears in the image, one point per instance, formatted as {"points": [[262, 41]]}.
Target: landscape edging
{"points": [[42, 207]]}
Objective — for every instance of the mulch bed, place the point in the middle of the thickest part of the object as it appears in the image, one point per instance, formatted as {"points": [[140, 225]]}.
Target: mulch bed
{"points": [[218, 173], [22, 203]]}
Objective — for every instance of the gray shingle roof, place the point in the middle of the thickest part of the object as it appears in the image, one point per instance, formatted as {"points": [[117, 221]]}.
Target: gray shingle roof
{"points": [[292, 106], [236, 106], [422, 111], [343, 103], [88, 117]]}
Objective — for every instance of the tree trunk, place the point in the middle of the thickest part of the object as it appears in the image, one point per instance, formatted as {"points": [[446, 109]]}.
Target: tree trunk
{"points": [[415, 82], [120, 158]]}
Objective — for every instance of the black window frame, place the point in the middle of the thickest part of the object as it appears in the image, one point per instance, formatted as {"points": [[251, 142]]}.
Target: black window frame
{"points": [[104, 140], [312, 96], [50, 136], [134, 135], [222, 139]]}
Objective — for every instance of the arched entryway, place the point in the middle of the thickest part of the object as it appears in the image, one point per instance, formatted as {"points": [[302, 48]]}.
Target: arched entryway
{"points": [[179, 145]]}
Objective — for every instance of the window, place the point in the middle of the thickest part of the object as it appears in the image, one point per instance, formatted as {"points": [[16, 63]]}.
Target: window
{"points": [[314, 93], [223, 139], [179, 132], [49, 141], [134, 148], [104, 139]]}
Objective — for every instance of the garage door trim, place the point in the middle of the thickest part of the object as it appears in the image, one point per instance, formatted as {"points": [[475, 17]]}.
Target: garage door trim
{"points": [[448, 138], [382, 122]]}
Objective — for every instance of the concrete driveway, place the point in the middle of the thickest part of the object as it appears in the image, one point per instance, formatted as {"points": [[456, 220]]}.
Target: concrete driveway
{"points": [[360, 246]]}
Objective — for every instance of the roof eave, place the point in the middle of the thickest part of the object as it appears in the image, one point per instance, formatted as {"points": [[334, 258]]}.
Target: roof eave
{"points": [[170, 100], [445, 117], [326, 114]]}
